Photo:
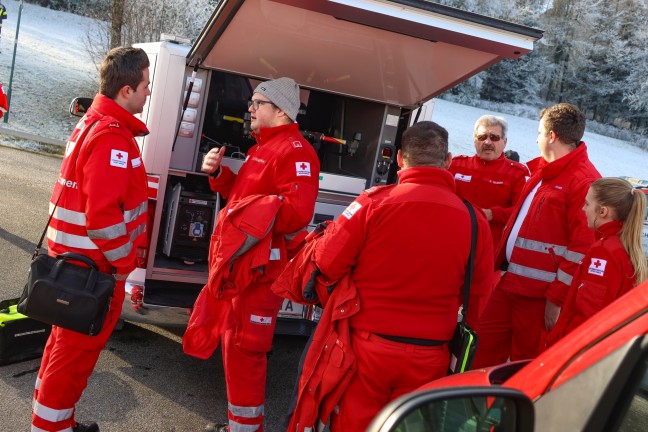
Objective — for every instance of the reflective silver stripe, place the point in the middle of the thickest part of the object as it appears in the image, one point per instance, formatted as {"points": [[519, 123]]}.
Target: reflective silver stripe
{"points": [[575, 257], [108, 233], [275, 254], [38, 383], [532, 273], [51, 414], [71, 240], [69, 216], [247, 412], [239, 427], [118, 253], [564, 277], [131, 215], [538, 246], [320, 426], [141, 228], [37, 429]]}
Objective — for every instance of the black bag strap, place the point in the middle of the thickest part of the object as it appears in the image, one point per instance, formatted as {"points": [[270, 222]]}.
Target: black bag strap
{"points": [[470, 266], [76, 156]]}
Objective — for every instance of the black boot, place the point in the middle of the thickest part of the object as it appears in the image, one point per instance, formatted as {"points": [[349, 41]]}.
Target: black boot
{"points": [[80, 427], [216, 427]]}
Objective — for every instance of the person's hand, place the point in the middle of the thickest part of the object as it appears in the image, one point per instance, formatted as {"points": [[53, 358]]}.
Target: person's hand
{"points": [[489, 214], [121, 276], [552, 311], [212, 160]]}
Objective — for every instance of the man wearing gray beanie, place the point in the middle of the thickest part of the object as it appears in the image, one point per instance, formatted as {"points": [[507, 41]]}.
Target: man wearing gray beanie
{"points": [[283, 164]]}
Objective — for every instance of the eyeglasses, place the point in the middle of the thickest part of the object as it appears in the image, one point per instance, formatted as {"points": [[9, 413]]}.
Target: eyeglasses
{"points": [[483, 137], [256, 103]]}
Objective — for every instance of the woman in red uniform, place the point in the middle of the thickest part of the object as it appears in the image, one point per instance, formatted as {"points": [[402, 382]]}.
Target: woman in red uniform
{"points": [[616, 262]]}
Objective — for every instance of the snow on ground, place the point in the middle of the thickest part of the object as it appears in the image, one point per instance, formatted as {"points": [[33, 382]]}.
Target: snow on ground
{"points": [[611, 157], [52, 66]]}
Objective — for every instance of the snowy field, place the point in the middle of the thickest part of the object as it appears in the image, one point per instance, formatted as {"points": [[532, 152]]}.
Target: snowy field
{"points": [[611, 157], [52, 65]]}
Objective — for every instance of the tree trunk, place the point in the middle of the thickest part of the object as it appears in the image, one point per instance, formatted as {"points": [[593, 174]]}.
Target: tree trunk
{"points": [[116, 23]]}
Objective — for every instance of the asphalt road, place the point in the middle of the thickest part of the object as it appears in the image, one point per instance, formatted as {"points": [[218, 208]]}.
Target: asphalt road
{"points": [[143, 381]]}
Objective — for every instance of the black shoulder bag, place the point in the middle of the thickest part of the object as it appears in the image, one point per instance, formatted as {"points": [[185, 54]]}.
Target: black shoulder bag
{"points": [[464, 342], [65, 294]]}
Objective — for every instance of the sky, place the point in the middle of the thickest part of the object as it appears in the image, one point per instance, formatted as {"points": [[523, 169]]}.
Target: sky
{"points": [[52, 66]]}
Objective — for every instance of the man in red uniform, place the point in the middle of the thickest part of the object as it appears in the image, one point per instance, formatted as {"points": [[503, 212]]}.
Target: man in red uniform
{"points": [[488, 179], [282, 163], [101, 214], [3, 102], [406, 247], [543, 243]]}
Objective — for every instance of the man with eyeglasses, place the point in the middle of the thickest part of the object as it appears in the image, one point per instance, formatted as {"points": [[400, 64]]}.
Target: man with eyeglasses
{"points": [[543, 243], [281, 164], [488, 179]]}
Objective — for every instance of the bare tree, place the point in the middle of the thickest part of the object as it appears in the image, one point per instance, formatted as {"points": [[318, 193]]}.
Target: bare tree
{"points": [[116, 23]]}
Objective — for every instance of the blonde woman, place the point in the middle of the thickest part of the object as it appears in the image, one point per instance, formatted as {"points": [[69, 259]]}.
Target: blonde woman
{"points": [[616, 262]]}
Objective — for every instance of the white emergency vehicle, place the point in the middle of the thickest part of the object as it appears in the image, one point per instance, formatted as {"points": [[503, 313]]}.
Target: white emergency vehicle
{"points": [[364, 67]]}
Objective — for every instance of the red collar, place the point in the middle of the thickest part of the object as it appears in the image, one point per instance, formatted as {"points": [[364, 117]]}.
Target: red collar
{"points": [[427, 175], [609, 229], [104, 106], [553, 169]]}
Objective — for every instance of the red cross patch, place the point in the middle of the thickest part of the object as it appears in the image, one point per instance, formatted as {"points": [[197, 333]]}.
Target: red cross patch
{"points": [[597, 266], [303, 169], [118, 158]]}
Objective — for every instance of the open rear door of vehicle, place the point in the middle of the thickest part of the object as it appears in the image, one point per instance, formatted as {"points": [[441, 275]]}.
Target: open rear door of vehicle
{"points": [[399, 52]]}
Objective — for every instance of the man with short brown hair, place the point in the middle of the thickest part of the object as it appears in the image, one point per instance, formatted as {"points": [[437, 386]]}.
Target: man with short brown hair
{"points": [[101, 214], [543, 243]]}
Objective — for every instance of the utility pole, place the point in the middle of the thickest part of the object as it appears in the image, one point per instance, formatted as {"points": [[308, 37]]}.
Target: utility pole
{"points": [[13, 62]]}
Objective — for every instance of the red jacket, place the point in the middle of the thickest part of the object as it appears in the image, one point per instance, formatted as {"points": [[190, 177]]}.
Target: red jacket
{"points": [[3, 100], [406, 247], [237, 255], [554, 236], [494, 185], [605, 274], [282, 163], [102, 211], [330, 362]]}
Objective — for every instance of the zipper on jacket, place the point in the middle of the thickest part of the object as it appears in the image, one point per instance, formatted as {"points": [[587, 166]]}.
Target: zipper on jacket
{"points": [[554, 257], [537, 212]]}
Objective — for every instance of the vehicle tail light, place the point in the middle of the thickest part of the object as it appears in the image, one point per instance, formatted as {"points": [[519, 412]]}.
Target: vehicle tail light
{"points": [[140, 256], [141, 253]]}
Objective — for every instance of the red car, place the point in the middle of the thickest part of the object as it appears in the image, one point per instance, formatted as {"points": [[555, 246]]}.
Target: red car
{"points": [[594, 379]]}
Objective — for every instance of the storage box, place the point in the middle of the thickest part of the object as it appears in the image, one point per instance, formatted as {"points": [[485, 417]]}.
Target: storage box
{"points": [[21, 337]]}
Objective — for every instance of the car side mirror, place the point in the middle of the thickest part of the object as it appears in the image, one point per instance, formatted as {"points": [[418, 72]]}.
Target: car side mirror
{"points": [[80, 106], [457, 409]]}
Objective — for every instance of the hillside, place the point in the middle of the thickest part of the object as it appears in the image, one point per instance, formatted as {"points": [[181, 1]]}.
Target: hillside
{"points": [[52, 66]]}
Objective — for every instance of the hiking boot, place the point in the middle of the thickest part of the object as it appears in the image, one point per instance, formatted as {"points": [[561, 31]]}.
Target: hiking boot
{"points": [[80, 427], [216, 427]]}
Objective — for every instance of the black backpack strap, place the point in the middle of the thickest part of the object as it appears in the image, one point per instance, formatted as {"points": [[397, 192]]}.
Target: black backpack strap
{"points": [[49, 220], [470, 266]]}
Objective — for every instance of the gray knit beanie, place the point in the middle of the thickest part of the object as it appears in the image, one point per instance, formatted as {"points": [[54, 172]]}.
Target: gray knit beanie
{"points": [[284, 93]]}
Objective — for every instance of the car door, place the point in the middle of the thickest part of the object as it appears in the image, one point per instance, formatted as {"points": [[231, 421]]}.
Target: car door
{"points": [[603, 387]]}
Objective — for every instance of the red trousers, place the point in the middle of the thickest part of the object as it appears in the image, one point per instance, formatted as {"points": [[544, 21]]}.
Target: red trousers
{"points": [[511, 326], [244, 351], [385, 371], [68, 361]]}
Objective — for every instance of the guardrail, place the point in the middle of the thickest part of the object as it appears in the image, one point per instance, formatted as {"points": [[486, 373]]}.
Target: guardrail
{"points": [[32, 137]]}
